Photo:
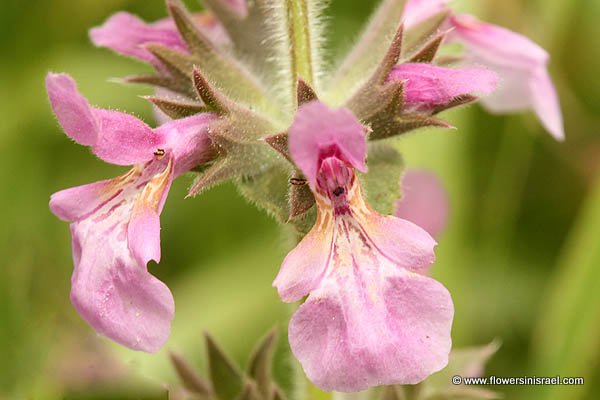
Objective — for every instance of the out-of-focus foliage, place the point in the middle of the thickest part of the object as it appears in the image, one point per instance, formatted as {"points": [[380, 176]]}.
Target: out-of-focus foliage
{"points": [[520, 256]]}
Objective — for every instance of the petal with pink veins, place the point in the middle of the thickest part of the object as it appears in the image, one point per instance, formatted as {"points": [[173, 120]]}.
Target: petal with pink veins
{"points": [[370, 322], [114, 236]]}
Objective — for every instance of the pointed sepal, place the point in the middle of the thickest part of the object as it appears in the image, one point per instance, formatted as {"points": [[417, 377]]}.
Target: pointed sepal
{"points": [[192, 381], [305, 93], [427, 53], [259, 365], [176, 108], [226, 378]]}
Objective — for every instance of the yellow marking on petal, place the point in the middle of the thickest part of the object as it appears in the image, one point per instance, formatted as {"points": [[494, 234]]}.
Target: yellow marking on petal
{"points": [[152, 193]]}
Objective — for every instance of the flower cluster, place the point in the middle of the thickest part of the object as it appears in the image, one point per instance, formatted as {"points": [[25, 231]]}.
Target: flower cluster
{"points": [[242, 94]]}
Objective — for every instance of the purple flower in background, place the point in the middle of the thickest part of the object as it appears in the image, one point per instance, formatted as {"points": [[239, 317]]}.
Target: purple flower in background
{"points": [[524, 82], [424, 201], [520, 63], [115, 223], [127, 34], [371, 317]]}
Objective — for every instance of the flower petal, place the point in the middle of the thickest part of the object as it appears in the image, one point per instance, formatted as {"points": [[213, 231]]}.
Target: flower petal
{"points": [[114, 294], [545, 103], [416, 11], [317, 130], [406, 244], [513, 93], [424, 201], [80, 202], [496, 45], [115, 137], [427, 85], [521, 65], [372, 324], [127, 34], [143, 229], [188, 141], [113, 238], [303, 268], [124, 139], [72, 109]]}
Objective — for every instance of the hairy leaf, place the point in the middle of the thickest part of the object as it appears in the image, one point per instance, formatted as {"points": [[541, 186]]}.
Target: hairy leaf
{"points": [[382, 182]]}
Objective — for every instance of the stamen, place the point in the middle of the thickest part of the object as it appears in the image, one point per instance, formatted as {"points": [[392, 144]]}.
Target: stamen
{"points": [[298, 181], [159, 153]]}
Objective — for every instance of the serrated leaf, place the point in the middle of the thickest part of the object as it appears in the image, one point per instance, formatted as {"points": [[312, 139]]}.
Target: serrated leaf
{"points": [[175, 108], [382, 182], [227, 380], [365, 56], [219, 68], [427, 53], [190, 379], [268, 190], [423, 31], [259, 365]]}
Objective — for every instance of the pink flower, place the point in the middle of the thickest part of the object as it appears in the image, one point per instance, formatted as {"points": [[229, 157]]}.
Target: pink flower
{"points": [[371, 317], [128, 35], [427, 86], [115, 223], [522, 67], [416, 11], [424, 201]]}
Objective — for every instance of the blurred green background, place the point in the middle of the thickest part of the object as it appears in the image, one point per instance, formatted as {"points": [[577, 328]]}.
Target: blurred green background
{"points": [[521, 254]]}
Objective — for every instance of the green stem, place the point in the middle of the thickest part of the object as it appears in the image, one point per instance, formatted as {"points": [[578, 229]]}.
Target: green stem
{"points": [[299, 36]]}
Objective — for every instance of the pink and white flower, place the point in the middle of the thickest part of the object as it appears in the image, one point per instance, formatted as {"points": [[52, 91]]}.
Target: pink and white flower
{"points": [[115, 225], [371, 317], [521, 64]]}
